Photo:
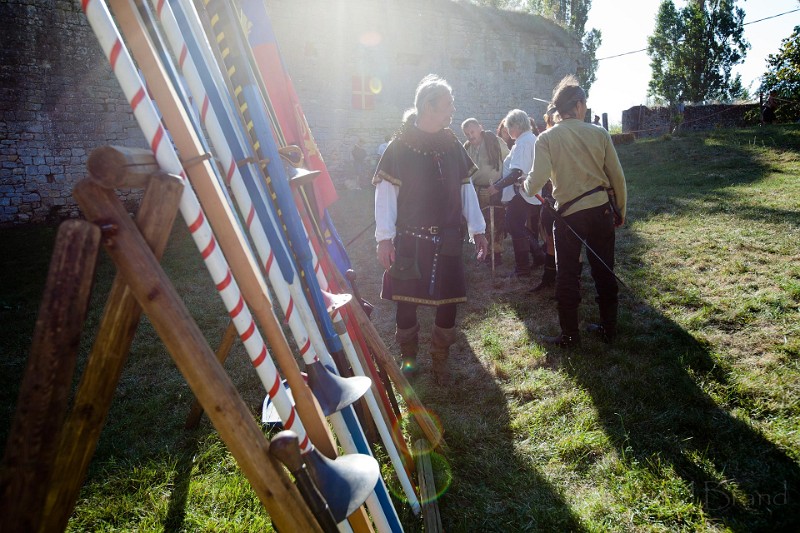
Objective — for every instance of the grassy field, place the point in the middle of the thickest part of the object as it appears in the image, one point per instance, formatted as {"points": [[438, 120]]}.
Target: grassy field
{"points": [[690, 422]]}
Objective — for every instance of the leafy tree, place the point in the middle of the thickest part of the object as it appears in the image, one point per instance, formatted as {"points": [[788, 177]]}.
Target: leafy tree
{"points": [[783, 76], [694, 49], [591, 42], [572, 16]]}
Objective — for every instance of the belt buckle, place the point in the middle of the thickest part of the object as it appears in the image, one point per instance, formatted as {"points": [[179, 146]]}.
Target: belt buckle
{"points": [[433, 230]]}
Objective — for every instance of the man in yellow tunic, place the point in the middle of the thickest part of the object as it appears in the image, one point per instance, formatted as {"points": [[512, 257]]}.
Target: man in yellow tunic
{"points": [[581, 161]]}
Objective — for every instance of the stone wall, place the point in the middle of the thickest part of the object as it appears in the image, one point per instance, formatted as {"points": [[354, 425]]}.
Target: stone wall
{"points": [[495, 60], [59, 99], [645, 122]]}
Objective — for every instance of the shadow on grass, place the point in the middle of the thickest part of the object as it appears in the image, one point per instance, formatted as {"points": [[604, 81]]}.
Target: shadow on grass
{"points": [[647, 393], [189, 445], [492, 486]]}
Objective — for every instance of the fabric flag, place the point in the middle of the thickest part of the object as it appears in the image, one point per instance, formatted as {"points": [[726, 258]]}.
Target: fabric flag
{"points": [[284, 100], [291, 121]]}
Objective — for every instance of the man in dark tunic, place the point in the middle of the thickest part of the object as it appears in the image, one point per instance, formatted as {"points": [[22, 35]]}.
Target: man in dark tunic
{"points": [[423, 191]]}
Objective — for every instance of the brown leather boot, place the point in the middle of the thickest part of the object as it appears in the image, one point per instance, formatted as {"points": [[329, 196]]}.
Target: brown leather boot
{"points": [[441, 340], [408, 340]]}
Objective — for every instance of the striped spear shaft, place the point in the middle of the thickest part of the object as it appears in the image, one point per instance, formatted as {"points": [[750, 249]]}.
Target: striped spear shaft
{"points": [[147, 118]]}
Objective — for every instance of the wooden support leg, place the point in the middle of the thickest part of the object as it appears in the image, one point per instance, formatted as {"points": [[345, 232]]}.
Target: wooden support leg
{"points": [[222, 353], [42, 404], [195, 360], [385, 360], [427, 488], [106, 359]]}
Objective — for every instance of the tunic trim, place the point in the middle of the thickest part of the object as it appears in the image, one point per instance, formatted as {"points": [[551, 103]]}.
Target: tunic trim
{"points": [[383, 176], [425, 301]]}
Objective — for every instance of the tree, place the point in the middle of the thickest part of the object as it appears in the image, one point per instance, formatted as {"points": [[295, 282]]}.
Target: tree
{"points": [[588, 74], [572, 16], [694, 49], [783, 76]]}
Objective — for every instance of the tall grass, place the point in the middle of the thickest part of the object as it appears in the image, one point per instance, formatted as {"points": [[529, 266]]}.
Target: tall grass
{"points": [[690, 421]]}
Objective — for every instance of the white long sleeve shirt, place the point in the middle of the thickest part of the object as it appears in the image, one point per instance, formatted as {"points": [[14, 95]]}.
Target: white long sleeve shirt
{"points": [[386, 210]]}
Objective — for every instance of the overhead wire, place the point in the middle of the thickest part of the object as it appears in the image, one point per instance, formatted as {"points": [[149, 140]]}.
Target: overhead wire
{"points": [[745, 24]]}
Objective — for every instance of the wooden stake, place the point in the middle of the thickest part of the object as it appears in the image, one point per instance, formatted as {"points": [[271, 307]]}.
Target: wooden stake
{"points": [[107, 358], [427, 488], [42, 403], [116, 167], [222, 353]]}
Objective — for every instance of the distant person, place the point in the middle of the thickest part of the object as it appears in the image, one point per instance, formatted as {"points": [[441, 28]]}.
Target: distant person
{"points": [[584, 168], [546, 221], [768, 111], [359, 163], [596, 121], [502, 132], [422, 193], [518, 203], [487, 151], [383, 145]]}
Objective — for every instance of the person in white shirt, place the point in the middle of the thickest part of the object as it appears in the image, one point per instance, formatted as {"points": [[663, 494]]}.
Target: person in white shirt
{"points": [[519, 205], [383, 145]]}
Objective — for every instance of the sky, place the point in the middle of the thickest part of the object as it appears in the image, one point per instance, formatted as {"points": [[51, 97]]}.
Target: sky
{"points": [[625, 25]]}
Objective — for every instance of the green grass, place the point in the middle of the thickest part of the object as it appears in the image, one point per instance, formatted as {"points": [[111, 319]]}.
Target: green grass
{"points": [[689, 422]]}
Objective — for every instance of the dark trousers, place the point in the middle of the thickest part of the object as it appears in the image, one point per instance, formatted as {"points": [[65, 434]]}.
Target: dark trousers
{"points": [[518, 211], [596, 227], [407, 315]]}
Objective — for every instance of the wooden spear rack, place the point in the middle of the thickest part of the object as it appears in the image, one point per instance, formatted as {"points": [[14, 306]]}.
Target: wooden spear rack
{"points": [[49, 447]]}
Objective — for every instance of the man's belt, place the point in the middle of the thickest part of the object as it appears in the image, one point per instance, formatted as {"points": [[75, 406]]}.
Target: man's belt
{"points": [[422, 232], [428, 233], [562, 208]]}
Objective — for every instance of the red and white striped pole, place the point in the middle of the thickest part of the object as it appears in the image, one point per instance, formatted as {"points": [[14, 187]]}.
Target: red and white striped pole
{"points": [[290, 295], [221, 274], [147, 118]]}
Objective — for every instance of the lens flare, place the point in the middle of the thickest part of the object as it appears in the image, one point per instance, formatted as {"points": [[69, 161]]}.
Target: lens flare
{"points": [[370, 38], [409, 424], [375, 85], [441, 474]]}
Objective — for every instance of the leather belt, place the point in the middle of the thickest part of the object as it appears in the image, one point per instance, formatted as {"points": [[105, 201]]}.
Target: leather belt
{"points": [[430, 230]]}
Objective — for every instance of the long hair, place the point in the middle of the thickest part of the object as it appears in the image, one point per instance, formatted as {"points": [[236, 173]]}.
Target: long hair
{"points": [[567, 94]]}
